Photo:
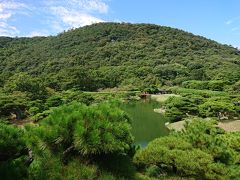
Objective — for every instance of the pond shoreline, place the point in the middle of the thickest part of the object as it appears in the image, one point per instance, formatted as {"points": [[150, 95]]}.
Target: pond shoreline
{"points": [[228, 126]]}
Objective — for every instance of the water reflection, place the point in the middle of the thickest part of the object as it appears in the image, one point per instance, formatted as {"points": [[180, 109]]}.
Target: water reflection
{"points": [[146, 124]]}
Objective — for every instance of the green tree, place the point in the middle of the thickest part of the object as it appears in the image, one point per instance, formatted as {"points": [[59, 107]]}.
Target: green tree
{"points": [[13, 104], [214, 106], [180, 107], [88, 129], [33, 87], [236, 86], [201, 151], [15, 157]]}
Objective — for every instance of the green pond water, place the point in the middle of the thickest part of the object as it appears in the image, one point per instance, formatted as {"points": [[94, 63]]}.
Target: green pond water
{"points": [[146, 124]]}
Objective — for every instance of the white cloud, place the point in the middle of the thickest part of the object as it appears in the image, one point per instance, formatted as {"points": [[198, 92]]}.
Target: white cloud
{"points": [[92, 5], [10, 4], [59, 15], [7, 30], [4, 16], [75, 13], [8, 8], [74, 18]]}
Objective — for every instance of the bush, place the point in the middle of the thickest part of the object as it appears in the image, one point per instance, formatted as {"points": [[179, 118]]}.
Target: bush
{"points": [[153, 171], [204, 93], [201, 151], [177, 155], [193, 84], [54, 101], [13, 152], [78, 170], [92, 129], [180, 107], [33, 111], [213, 106], [236, 86], [214, 85], [39, 116]]}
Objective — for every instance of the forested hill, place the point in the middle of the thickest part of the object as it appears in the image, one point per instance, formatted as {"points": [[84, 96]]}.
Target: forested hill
{"points": [[111, 54]]}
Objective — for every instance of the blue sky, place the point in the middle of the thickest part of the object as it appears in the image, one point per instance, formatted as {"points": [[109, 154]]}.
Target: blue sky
{"points": [[215, 19]]}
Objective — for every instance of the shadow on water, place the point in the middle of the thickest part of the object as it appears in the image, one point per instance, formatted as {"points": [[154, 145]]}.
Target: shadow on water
{"points": [[146, 124]]}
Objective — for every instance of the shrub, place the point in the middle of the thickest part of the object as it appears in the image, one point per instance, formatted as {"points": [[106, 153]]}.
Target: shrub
{"points": [[193, 84], [92, 129], [212, 107], [214, 85], [13, 152], [236, 86], [54, 101], [201, 151], [180, 107], [33, 111], [78, 170]]}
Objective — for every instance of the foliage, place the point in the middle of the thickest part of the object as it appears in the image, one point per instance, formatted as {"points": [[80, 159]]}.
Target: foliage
{"points": [[180, 107], [202, 151], [70, 143], [79, 137], [214, 85], [13, 152], [90, 129], [213, 106], [33, 87], [204, 93], [13, 104], [54, 101], [11, 142], [77, 170], [236, 86], [107, 55], [202, 103]]}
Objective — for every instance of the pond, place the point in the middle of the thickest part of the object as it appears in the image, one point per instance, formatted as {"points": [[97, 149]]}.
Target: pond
{"points": [[146, 124]]}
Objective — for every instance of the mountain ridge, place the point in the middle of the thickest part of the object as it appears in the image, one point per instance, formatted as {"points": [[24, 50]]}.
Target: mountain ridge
{"points": [[118, 54]]}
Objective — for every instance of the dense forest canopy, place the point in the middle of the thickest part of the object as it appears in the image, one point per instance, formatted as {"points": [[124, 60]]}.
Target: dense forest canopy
{"points": [[107, 55]]}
